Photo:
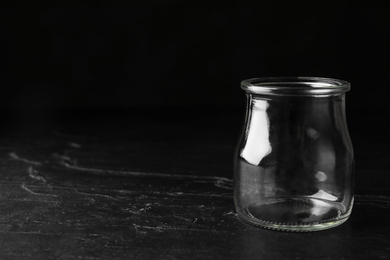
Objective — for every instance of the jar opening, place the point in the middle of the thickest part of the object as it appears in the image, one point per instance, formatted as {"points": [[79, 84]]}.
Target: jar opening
{"points": [[300, 86]]}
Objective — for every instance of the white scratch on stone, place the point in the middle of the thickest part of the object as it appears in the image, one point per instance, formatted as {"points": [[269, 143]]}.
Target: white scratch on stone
{"points": [[218, 181], [147, 207], [97, 194], [175, 193], [34, 174], [159, 229], [24, 187], [106, 172], [231, 213], [14, 156], [74, 145]]}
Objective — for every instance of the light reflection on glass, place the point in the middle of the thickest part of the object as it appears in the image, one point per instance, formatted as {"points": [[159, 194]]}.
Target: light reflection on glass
{"points": [[257, 145], [323, 195]]}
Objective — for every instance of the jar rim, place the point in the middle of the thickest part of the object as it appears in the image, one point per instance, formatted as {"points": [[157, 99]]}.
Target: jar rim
{"points": [[295, 86]]}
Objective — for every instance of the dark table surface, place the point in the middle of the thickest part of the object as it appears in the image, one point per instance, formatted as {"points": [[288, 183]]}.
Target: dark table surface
{"points": [[157, 184]]}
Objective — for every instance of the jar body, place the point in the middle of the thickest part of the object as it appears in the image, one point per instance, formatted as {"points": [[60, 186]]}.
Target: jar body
{"points": [[294, 163]]}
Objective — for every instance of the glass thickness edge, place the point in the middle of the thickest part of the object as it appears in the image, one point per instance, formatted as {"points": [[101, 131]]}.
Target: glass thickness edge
{"points": [[296, 86]]}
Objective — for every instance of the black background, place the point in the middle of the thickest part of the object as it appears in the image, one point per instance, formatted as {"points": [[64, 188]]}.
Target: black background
{"points": [[166, 55]]}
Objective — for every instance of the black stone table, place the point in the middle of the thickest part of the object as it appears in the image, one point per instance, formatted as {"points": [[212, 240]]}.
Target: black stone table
{"points": [[157, 184]]}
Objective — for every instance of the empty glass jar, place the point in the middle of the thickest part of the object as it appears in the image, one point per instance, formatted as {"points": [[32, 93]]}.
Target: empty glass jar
{"points": [[294, 163]]}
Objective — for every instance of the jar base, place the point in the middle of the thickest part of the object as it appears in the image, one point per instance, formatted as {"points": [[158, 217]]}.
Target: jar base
{"points": [[295, 214]]}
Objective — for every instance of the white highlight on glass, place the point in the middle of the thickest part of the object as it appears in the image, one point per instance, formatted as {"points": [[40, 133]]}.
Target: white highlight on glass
{"points": [[257, 145]]}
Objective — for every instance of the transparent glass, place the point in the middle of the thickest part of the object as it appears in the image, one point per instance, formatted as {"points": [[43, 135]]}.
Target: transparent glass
{"points": [[294, 163]]}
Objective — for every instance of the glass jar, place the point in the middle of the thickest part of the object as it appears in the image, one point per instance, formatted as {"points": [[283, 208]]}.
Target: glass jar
{"points": [[294, 163]]}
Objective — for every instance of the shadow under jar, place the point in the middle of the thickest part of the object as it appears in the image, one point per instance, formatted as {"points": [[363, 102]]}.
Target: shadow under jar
{"points": [[294, 163]]}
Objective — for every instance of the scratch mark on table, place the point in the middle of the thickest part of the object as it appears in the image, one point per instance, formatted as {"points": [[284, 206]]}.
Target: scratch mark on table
{"points": [[71, 164], [185, 219], [64, 159], [97, 194], [24, 187], [137, 227], [146, 208], [174, 193], [34, 175], [163, 227], [14, 156], [219, 182], [224, 183], [132, 211], [231, 213], [74, 145]]}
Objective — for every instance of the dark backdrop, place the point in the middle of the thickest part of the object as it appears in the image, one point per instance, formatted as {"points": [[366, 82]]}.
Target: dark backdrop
{"points": [[165, 55]]}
